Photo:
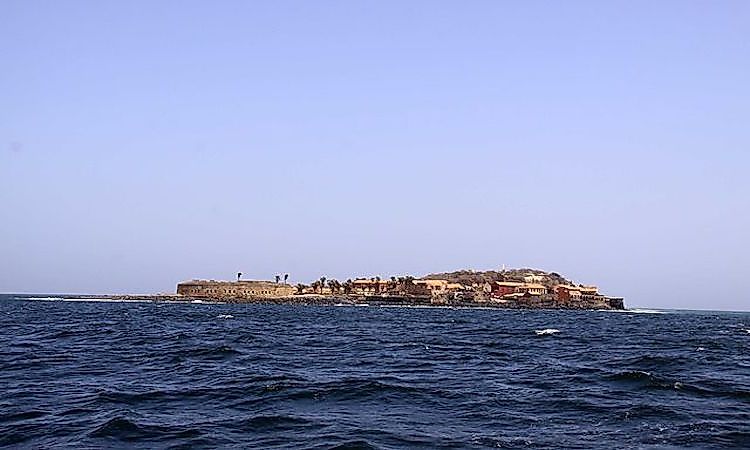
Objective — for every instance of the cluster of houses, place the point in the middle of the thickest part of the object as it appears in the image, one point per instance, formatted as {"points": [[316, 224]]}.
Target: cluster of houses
{"points": [[531, 286], [561, 292], [376, 287]]}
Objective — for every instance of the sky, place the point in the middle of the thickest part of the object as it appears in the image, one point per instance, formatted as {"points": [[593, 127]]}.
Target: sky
{"points": [[144, 143]]}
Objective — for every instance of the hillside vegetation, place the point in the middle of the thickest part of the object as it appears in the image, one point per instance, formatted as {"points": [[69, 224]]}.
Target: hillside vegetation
{"points": [[469, 277]]}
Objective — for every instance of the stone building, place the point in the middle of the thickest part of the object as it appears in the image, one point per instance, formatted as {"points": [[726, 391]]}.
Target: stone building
{"points": [[566, 293], [533, 289], [434, 287], [372, 286], [502, 288], [234, 289], [532, 278]]}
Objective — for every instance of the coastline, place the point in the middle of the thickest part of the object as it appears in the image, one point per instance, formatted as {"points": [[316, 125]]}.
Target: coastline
{"points": [[532, 303]]}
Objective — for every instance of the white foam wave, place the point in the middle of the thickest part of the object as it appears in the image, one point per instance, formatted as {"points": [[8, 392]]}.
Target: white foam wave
{"points": [[546, 331], [225, 316], [105, 300], [645, 311], [85, 299], [114, 299]]}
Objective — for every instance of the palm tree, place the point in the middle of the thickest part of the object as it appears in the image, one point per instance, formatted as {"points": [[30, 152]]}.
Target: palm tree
{"points": [[401, 284], [300, 288], [286, 277], [377, 285], [315, 286], [408, 282], [322, 283], [239, 274], [334, 285], [278, 277]]}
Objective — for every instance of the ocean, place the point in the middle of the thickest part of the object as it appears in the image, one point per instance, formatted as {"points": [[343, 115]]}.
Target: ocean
{"points": [[96, 374]]}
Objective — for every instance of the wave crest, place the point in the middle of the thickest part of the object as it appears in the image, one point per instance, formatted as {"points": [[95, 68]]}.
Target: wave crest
{"points": [[546, 332]]}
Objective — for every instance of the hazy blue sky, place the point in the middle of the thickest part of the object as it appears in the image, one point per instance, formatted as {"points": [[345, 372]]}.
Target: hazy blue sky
{"points": [[145, 143]]}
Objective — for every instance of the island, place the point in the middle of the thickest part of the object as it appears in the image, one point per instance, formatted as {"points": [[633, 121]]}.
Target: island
{"points": [[512, 289]]}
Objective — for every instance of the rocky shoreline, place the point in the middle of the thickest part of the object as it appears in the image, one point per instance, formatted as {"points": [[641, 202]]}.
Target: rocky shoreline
{"points": [[343, 300]]}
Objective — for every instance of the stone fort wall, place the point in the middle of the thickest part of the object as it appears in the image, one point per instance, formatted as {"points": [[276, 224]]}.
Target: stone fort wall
{"points": [[234, 289]]}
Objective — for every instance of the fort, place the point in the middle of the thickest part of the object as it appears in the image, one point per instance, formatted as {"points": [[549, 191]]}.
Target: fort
{"points": [[241, 289]]}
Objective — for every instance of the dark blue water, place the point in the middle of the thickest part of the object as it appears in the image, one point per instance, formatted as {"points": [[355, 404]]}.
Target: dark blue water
{"points": [[154, 375]]}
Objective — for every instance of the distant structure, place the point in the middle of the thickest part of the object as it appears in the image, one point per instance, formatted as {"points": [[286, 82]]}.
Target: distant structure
{"points": [[514, 288], [244, 289]]}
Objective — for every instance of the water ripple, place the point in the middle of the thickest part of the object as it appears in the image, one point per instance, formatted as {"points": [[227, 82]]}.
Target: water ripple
{"points": [[151, 375]]}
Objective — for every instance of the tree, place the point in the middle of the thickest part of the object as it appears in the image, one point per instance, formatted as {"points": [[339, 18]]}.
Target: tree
{"points": [[239, 274], [300, 288], [408, 283], [278, 277], [286, 277], [322, 283], [334, 285]]}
